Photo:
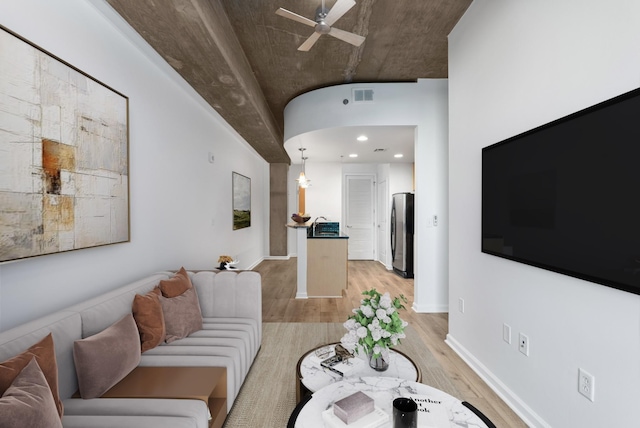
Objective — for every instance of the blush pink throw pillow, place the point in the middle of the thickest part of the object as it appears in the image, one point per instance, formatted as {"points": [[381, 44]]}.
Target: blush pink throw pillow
{"points": [[182, 315], [104, 359]]}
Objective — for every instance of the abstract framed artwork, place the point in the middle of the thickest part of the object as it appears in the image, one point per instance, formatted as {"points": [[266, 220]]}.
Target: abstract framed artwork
{"points": [[241, 201], [64, 155]]}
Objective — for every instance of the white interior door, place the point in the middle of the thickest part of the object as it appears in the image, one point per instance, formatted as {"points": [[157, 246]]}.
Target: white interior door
{"points": [[383, 224], [360, 216]]}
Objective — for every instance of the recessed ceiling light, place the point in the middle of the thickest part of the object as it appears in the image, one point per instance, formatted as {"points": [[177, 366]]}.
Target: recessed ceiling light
{"points": [[398, 155], [362, 138], [353, 155]]}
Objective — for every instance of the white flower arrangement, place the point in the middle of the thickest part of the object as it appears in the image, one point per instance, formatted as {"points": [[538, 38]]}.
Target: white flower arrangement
{"points": [[375, 326]]}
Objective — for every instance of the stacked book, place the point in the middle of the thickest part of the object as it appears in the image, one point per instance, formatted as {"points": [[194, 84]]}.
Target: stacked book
{"points": [[376, 419], [355, 411]]}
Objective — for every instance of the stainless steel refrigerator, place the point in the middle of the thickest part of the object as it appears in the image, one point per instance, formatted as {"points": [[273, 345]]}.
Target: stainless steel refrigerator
{"points": [[402, 234]]}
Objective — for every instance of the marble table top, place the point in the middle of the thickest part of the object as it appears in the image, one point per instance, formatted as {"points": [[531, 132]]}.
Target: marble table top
{"points": [[315, 377], [383, 390]]}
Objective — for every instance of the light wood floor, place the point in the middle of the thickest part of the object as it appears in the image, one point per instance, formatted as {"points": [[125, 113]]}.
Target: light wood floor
{"points": [[280, 305]]}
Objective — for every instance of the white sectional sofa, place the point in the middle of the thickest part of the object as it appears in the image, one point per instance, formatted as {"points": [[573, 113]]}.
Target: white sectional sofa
{"points": [[231, 335]]}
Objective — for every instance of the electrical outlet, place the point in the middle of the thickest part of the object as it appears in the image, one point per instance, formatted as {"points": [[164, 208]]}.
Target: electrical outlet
{"points": [[523, 344], [461, 305], [435, 220], [506, 333], [586, 384]]}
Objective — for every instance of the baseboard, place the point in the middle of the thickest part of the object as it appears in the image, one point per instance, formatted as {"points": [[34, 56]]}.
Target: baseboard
{"points": [[256, 263], [429, 309], [525, 413], [277, 257]]}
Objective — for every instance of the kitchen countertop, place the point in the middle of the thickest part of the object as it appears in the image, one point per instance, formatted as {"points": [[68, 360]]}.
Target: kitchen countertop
{"points": [[326, 235], [311, 234], [295, 225]]}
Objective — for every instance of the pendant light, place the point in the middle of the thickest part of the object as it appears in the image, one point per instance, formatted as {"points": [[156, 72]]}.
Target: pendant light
{"points": [[302, 180]]}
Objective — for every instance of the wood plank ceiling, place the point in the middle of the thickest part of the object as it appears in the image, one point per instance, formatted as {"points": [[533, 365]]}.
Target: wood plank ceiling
{"points": [[243, 60]]}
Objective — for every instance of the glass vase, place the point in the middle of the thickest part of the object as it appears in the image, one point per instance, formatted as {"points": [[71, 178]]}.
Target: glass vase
{"points": [[379, 363]]}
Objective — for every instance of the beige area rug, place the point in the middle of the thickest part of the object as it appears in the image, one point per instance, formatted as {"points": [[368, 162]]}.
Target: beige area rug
{"points": [[268, 395]]}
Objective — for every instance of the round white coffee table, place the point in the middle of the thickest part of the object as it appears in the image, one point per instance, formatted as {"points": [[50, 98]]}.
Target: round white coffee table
{"points": [[313, 377], [383, 390]]}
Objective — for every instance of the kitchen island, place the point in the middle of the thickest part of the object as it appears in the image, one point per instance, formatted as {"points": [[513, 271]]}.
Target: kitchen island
{"points": [[322, 261]]}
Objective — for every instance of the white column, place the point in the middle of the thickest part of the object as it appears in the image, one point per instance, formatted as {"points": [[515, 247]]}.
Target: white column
{"points": [[301, 236]]}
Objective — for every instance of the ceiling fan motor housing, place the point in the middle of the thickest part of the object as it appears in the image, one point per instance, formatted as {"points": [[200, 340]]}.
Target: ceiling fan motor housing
{"points": [[322, 27]]}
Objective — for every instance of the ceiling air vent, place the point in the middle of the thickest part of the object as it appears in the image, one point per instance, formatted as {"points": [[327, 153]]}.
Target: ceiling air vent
{"points": [[362, 95]]}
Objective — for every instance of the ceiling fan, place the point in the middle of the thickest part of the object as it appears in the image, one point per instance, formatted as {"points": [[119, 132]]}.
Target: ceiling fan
{"points": [[323, 24]]}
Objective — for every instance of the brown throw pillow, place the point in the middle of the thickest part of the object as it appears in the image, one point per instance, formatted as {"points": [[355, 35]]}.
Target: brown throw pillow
{"points": [[45, 355], [104, 359], [147, 311], [182, 315], [176, 285], [28, 401]]}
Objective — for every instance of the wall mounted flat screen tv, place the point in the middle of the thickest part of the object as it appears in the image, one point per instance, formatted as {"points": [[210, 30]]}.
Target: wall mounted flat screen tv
{"points": [[566, 196]]}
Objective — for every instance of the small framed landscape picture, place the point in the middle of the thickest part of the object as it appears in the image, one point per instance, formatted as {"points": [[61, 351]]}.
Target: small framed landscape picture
{"points": [[241, 201]]}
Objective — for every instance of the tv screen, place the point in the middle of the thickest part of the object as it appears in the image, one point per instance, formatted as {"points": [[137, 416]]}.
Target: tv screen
{"points": [[566, 196]]}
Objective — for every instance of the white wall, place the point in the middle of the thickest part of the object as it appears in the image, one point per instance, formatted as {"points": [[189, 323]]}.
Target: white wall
{"points": [[180, 208], [514, 66], [423, 105], [323, 196], [402, 178]]}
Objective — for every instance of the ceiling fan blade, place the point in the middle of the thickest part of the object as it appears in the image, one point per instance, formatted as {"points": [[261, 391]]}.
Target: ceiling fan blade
{"points": [[340, 8], [346, 36], [301, 19], [309, 42]]}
